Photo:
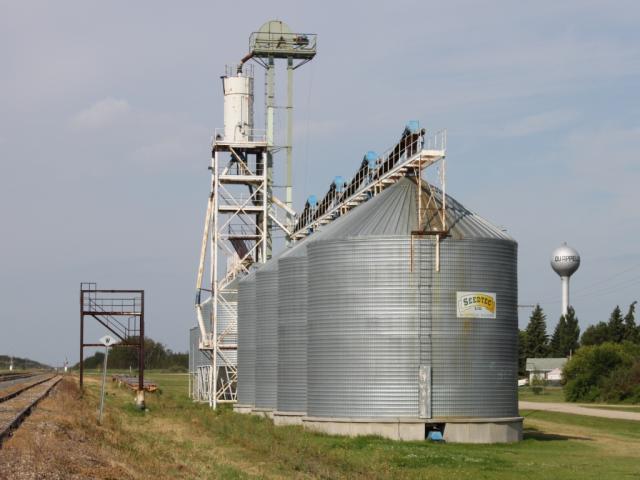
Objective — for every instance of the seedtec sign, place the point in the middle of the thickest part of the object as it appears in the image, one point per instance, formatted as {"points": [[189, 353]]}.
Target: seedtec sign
{"points": [[476, 305]]}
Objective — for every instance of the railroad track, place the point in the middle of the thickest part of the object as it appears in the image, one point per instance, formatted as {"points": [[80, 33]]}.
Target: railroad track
{"points": [[17, 404], [7, 380]]}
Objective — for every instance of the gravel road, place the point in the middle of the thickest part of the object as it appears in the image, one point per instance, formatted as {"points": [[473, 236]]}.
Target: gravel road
{"points": [[579, 410]]}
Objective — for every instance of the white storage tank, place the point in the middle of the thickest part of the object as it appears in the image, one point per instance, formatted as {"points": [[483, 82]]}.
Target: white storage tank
{"points": [[238, 107]]}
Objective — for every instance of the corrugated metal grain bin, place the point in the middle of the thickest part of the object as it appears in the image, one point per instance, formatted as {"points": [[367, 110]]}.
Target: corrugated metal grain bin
{"points": [[363, 325], [473, 360], [390, 339], [266, 364], [227, 315], [292, 328], [246, 341], [292, 332]]}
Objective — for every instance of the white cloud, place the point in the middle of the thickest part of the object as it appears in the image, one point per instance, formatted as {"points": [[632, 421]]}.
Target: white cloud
{"points": [[541, 122], [101, 114]]}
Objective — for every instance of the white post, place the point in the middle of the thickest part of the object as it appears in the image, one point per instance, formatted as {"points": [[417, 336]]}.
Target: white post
{"points": [[565, 295], [104, 379]]}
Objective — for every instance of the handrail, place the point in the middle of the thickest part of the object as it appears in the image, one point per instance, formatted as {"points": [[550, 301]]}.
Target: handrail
{"points": [[412, 146]]}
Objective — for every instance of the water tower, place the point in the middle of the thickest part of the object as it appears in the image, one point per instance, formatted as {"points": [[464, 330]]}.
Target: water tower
{"points": [[565, 260]]}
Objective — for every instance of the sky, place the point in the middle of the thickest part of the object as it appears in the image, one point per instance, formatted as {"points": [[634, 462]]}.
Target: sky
{"points": [[107, 111]]}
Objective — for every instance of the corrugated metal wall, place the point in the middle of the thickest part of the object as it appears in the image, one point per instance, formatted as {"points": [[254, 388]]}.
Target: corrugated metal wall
{"points": [[247, 340], [227, 313], [267, 336], [292, 334], [196, 357], [378, 314], [473, 360], [362, 329]]}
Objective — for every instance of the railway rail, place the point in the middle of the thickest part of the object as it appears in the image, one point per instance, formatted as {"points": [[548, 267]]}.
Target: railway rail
{"points": [[17, 403], [8, 379]]}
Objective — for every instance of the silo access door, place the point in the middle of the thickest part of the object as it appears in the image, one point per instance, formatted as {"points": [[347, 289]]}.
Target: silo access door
{"points": [[424, 384]]}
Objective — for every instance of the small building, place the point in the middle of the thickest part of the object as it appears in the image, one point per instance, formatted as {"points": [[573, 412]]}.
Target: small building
{"points": [[549, 369]]}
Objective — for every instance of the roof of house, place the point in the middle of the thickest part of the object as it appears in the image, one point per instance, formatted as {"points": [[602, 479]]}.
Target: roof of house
{"points": [[544, 364]]}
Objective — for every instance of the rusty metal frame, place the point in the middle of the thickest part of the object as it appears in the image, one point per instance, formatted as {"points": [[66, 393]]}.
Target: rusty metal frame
{"points": [[103, 307]]}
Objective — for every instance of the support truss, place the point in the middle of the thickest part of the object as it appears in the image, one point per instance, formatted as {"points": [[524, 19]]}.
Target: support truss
{"points": [[237, 234], [412, 155]]}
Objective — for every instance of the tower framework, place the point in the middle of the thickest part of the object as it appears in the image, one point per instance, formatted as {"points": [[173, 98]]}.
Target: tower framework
{"points": [[242, 210]]}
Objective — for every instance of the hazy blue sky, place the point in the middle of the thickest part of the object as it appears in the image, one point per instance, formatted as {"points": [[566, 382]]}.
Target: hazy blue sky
{"points": [[107, 108]]}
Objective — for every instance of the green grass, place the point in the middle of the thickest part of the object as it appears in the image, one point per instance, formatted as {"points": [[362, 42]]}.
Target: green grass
{"points": [[186, 440], [608, 426], [550, 394]]}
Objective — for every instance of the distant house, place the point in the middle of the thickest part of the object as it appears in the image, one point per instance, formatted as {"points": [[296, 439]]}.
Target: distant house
{"points": [[549, 369]]}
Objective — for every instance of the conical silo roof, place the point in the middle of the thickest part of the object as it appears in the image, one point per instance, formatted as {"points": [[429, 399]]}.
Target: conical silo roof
{"points": [[394, 212]]}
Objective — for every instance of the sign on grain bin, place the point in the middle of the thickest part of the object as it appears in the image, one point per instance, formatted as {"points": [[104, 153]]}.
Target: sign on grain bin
{"points": [[476, 305]]}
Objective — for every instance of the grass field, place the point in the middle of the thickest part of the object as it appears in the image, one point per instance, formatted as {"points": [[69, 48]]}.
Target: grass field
{"points": [[179, 439], [550, 394]]}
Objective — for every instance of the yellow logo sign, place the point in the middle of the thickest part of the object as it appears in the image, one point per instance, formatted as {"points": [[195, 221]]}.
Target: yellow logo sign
{"points": [[476, 305]]}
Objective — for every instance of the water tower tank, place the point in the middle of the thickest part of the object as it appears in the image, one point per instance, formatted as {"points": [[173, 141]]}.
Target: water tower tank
{"points": [[565, 260]]}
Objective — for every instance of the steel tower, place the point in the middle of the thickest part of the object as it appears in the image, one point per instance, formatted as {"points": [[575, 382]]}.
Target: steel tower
{"points": [[242, 210]]}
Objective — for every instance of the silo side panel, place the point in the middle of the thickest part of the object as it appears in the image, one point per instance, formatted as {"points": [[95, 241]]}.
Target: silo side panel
{"points": [[292, 334], [266, 338], [362, 329], [473, 360], [246, 341]]}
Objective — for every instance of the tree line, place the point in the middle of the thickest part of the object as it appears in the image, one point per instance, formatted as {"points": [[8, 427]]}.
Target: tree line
{"points": [[534, 342], [156, 356]]}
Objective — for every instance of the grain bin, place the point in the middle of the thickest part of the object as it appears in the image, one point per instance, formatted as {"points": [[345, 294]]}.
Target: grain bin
{"points": [[292, 329], [197, 362], [227, 316], [291, 400], [246, 344], [395, 347], [266, 363]]}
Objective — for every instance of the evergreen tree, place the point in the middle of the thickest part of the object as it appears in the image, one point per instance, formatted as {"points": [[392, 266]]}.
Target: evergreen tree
{"points": [[595, 334], [566, 335], [631, 331], [537, 343], [573, 332], [557, 339], [522, 353], [616, 326]]}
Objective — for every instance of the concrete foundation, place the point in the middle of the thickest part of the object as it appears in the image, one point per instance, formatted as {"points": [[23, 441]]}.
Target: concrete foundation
{"points": [[246, 409], [140, 399], [287, 418], [393, 428], [480, 430], [483, 430], [263, 412]]}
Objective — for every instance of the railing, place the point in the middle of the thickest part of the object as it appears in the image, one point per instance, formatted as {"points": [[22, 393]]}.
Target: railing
{"points": [[242, 135], [436, 141], [391, 163], [277, 42]]}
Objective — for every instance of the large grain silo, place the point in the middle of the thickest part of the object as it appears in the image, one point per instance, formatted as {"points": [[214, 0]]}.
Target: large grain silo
{"points": [[292, 336], [247, 316], [266, 362], [227, 356], [198, 365], [292, 329], [405, 335], [290, 323], [227, 316]]}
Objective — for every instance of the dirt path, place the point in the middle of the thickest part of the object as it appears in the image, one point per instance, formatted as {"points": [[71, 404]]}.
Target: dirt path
{"points": [[579, 410]]}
